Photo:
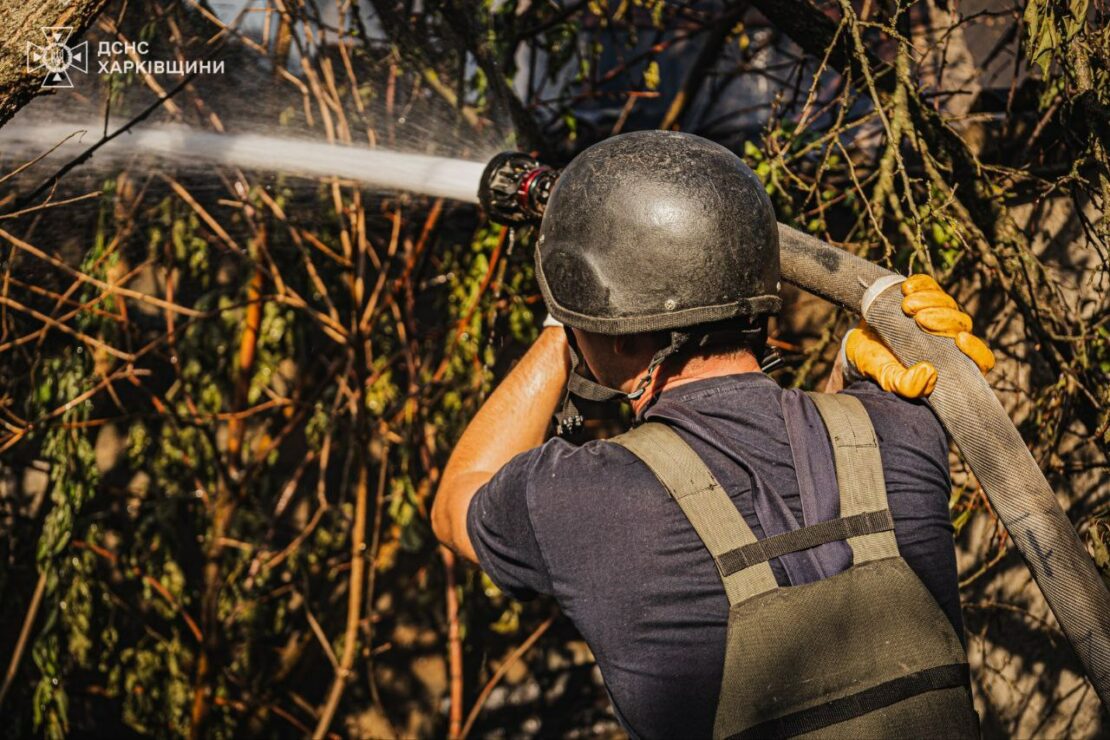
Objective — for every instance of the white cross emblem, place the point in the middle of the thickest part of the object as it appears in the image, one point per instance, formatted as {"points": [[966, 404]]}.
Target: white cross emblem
{"points": [[57, 57]]}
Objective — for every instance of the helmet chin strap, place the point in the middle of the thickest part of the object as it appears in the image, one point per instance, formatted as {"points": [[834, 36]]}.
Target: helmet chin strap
{"points": [[570, 420]]}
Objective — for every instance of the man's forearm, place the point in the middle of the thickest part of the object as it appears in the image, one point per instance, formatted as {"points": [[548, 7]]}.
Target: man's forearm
{"points": [[514, 419]]}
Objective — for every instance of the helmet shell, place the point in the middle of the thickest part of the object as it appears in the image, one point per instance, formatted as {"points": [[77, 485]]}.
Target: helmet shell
{"points": [[657, 230]]}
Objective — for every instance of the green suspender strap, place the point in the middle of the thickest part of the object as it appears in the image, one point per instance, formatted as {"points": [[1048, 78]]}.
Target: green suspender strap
{"points": [[865, 653], [705, 503], [741, 559], [859, 473]]}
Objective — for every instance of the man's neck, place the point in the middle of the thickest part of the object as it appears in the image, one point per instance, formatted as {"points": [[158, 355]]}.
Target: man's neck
{"points": [[698, 367]]}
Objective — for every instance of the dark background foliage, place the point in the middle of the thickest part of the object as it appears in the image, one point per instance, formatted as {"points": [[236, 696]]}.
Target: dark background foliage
{"points": [[226, 396]]}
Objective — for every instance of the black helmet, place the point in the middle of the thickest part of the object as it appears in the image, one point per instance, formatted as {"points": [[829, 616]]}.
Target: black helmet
{"points": [[657, 230]]}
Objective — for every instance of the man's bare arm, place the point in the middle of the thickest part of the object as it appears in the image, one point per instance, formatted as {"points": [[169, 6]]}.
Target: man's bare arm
{"points": [[514, 419]]}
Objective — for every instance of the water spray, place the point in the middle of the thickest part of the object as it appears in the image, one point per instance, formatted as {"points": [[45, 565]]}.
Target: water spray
{"points": [[441, 177]]}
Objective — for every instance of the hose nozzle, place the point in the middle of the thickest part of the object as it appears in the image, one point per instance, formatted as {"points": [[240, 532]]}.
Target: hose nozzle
{"points": [[515, 188]]}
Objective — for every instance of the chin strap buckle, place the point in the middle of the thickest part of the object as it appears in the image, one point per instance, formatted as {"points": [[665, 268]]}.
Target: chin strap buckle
{"points": [[772, 360], [570, 426]]}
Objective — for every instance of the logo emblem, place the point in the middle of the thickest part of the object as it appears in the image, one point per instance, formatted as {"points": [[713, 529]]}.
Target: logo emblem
{"points": [[57, 57]]}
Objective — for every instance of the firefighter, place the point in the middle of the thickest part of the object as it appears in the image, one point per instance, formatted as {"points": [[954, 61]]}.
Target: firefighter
{"points": [[747, 561]]}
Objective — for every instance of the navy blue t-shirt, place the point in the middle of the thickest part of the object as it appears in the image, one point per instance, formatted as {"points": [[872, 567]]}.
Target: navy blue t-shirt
{"points": [[591, 526]]}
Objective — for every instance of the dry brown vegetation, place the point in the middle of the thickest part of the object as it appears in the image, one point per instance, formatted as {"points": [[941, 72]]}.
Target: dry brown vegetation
{"points": [[226, 396]]}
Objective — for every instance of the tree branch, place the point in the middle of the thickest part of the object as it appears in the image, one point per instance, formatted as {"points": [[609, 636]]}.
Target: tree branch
{"points": [[21, 23]]}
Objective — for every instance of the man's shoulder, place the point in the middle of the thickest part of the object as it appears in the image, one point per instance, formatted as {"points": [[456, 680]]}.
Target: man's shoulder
{"points": [[559, 477], [897, 414], [570, 467], [913, 443], [540, 510], [577, 493]]}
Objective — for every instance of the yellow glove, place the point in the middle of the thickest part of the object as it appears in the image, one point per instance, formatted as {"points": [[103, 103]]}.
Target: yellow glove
{"points": [[869, 356], [935, 312]]}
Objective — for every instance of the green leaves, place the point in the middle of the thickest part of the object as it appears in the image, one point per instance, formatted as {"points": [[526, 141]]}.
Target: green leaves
{"points": [[74, 478], [154, 686], [1099, 536], [56, 531], [1050, 26], [50, 704]]}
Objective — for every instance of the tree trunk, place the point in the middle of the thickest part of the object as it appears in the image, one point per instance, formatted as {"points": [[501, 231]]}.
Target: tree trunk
{"points": [[21, 24]]}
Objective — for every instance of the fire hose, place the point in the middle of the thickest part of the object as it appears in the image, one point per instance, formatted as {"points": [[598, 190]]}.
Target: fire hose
{"points": [[514, 190]]}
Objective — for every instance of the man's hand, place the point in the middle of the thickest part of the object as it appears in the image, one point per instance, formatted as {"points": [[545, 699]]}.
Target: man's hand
{"points": [[935, 312]]}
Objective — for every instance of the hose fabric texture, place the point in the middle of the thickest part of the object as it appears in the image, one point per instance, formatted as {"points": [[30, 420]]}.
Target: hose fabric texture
{"points": [[982, 429]]}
